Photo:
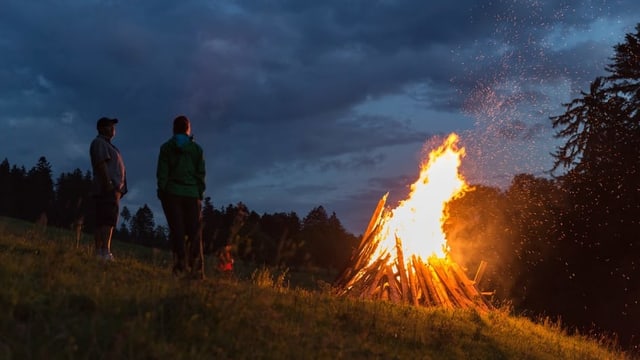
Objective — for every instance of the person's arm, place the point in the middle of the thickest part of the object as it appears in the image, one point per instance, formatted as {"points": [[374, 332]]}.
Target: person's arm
{"points": [[103, 174], [201, 173], [99, 156], [162, 173]]}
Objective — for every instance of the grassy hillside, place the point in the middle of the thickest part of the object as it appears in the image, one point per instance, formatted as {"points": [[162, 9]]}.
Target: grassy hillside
{"points": [[61, 303]]}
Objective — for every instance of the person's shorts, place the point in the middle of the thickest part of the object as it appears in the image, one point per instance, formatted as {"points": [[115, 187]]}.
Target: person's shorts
{"points": [[107, 208]]}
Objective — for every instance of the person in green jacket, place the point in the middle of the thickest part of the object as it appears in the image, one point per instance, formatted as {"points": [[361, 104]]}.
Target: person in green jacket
{"points": [[181, 184]]}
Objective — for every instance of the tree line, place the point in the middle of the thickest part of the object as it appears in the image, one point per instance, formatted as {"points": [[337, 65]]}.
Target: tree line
{"points": [[280, 239], [566, 245]]}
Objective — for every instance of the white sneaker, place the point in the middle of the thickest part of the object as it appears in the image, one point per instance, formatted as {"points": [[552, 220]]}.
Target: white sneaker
{"points": [[108, 256]]}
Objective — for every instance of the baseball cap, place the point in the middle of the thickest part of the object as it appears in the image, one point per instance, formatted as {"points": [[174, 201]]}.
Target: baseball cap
{"points": [[105, 121]]}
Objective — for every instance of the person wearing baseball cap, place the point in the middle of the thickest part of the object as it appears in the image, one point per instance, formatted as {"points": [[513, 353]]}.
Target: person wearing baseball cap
{"points": [[109, 184], [105, 122]]}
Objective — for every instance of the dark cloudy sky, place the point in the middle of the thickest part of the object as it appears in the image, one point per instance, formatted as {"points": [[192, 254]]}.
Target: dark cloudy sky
{"points": [[300, 103]]}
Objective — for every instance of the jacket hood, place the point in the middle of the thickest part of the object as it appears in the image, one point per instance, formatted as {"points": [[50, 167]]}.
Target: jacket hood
{"points": [[182, 139]]}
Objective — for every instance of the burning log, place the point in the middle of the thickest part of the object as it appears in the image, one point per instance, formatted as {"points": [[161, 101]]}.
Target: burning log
{"points": [[435, 282], [382, 268], [368, 243]]}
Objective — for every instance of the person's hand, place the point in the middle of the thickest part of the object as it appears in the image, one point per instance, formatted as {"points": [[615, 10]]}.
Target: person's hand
{"points": [[109, 187]]}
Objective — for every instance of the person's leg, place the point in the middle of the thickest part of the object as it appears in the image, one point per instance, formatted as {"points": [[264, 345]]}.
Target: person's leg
{"points": [[99, 233], [193, 222], [106, 231], [78, 234], [98, 240], [172, 211], [112, 220]]}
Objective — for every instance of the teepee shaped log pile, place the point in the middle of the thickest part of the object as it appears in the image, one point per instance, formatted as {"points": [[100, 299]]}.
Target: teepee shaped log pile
{"points": [[434, 282]]}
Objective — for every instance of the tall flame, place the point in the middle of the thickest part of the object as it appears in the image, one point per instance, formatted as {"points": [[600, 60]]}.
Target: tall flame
{"points": [[417, 221]]}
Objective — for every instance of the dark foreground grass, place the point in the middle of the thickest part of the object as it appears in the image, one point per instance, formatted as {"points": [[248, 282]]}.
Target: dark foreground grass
{"points": [[59, 302]]}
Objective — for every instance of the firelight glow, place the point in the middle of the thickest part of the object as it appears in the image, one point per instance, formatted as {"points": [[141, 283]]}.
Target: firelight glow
{"points": [[417, 221]]}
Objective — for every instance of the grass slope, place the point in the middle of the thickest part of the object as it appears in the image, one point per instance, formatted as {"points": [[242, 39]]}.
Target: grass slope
{"points": [[61, 303]]}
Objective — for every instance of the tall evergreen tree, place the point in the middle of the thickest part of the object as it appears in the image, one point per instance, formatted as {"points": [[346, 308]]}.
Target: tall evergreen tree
{"points": [[88, 204], [5, 188], [278, 242], [143, 226], [40, 191], [212, 222], [161, 236], [600, 244], [314, 236], [326, 243], [123, 232], [72, 190], [340, 243], [234, 219], [20, 208], [532, 208]]}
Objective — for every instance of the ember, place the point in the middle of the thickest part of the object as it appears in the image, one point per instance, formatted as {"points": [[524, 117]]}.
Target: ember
{"points": [[403, 255]]}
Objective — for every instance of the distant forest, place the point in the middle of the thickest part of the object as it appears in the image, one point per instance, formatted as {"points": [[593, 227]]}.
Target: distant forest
{"points": [[565, 246], [269, 239]]}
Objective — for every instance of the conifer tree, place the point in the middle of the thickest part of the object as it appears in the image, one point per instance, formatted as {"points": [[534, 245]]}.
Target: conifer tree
{"points": [[601, 130]]}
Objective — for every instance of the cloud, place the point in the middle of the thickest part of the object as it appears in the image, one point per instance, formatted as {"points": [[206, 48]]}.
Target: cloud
{"points": [[296, 103]]}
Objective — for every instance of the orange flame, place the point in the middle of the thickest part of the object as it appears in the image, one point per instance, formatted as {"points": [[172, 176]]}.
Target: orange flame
{"points": [[417, 221]]}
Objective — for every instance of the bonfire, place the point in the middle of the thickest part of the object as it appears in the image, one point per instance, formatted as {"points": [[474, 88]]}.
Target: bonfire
{"points": [[403, 255]]}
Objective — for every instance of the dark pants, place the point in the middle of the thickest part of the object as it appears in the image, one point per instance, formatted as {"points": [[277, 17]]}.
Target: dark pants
{"points": [[185, 227]]}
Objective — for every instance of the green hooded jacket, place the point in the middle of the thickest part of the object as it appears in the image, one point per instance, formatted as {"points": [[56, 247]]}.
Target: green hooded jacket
{"points": [[181, 169]]}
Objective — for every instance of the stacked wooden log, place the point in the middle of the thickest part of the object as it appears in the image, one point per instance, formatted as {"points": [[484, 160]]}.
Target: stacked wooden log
{"points": [[434, 282]]}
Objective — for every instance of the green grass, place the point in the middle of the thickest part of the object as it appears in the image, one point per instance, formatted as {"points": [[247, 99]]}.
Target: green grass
{"points": [[59, 302]]}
